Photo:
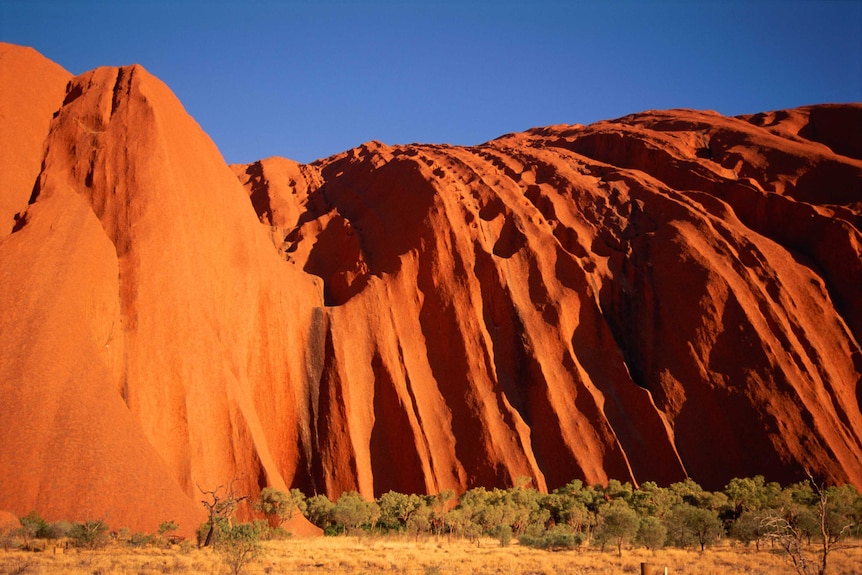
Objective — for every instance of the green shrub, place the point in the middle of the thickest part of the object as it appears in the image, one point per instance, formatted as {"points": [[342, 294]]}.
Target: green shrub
{"points": [[354, 512], [651, 533], [503, 534], [140, 539], [238, 545], [556, 538], [688, 525], [89, 534], [59, 529], [318, 509], [618, 523], [167, 526], [278, 506]]}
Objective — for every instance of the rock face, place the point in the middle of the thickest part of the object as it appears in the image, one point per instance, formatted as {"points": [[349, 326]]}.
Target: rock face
{"points": [[33, 89], [152, 339], [665, 295]]}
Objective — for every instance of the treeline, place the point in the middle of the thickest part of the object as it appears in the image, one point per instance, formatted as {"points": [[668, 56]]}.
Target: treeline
{"points": [[806, 520], [749, 510]]}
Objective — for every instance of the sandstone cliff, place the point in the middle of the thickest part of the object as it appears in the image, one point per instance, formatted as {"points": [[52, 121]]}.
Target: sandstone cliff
{"points": [[665, 295], [668, 294], [33, 89], [151, 338]]}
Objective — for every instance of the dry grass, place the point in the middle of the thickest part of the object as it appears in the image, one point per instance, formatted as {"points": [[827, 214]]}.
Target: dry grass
{"points": [[400, 556]]}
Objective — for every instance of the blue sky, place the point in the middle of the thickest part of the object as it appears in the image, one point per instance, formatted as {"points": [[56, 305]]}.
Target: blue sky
{"points": [[306, 80]]}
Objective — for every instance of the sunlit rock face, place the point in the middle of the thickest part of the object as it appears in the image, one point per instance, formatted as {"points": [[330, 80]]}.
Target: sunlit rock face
{"points": [[152, 339], [666, 295]]}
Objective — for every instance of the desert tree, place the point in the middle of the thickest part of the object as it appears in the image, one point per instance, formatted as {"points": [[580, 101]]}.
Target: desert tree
{"points": [[832, 517], [784, 531], [238, 545], [749, 527], [461, 522], [354, 512], [618, 523], [31, 526], [615, 489], [92, 534], [565, 509], [651, 500], [651, 533], [166, 527], [577, 505], [557, 537], [526, 509], [750, 494], [439, 504], [220, 506], [419, 521], [704, 525], [690, 492], [318, 510], [490, 512], [278, 506], [396, 509], [688, 525]]}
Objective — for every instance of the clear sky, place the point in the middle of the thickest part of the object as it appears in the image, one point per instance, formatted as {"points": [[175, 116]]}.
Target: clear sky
{"points": [[309, 79]]}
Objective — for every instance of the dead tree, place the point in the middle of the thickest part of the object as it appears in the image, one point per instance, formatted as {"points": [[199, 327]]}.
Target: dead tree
{"points": [[783, 529], [831, 531], [220, 507]]}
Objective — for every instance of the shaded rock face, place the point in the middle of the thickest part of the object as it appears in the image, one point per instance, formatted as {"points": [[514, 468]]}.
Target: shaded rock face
{"points": [[666, 295]]}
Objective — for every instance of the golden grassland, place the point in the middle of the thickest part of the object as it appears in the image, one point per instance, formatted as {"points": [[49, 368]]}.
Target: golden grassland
{"points": [[406, 556]]}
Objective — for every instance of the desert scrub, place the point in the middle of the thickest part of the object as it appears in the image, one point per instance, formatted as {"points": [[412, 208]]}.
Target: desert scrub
{"points": [[403, 555]]}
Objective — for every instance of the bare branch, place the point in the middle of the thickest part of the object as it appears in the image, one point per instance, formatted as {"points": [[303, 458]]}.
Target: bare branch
{"points": [[220, 507]]}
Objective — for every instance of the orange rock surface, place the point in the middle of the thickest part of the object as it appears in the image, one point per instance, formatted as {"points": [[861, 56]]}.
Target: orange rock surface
{"points": [[667, 295], [152, 340], [8, 521], [33, 89]]}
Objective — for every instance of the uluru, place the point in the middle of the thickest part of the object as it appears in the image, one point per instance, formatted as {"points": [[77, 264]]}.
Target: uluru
{"points": [[669, 294]]}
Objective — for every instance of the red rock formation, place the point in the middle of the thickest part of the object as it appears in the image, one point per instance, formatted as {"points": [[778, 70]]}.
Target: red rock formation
{"points": [[8, 521], [150, 341], [666, 295], [33, 89]]}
